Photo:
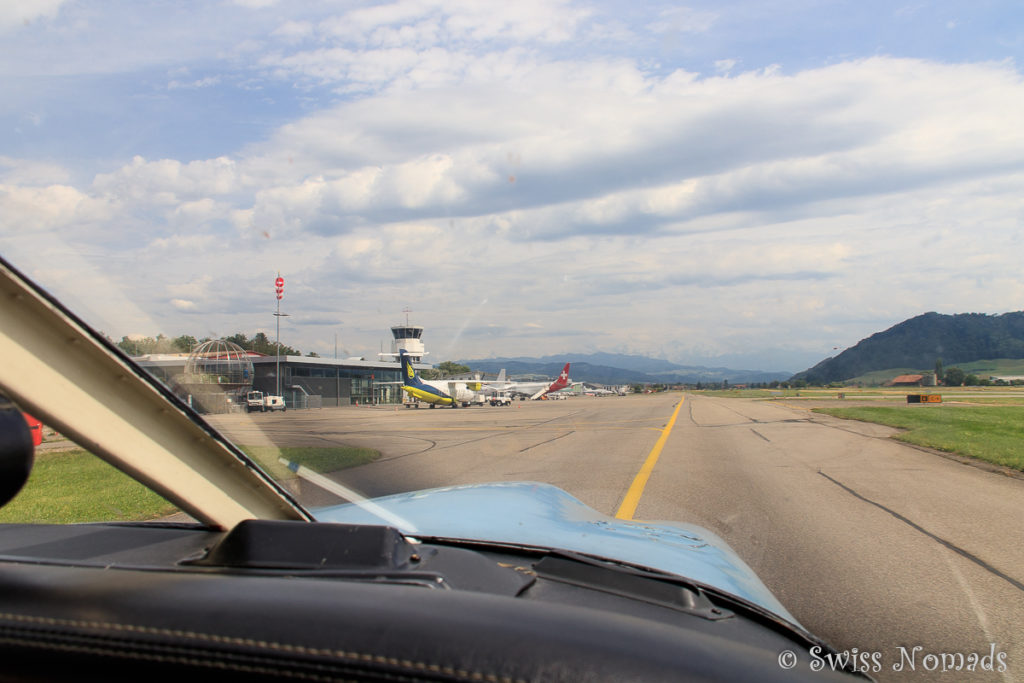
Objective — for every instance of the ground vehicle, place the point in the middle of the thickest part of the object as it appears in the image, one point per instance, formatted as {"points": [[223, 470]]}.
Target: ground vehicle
{"points": [[258, 401], [500, 400], [693, 181]]}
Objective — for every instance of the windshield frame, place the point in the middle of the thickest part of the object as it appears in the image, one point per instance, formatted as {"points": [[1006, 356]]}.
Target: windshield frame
{"points": [[75, 380]]}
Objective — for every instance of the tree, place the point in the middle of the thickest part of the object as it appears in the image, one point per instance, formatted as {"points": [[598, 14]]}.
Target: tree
{"points": [[133, 347], [185, 343], [261, 343], [449, 368], [938, 371], [971, 380], [955, 377], [240, 339], [146, 345]]}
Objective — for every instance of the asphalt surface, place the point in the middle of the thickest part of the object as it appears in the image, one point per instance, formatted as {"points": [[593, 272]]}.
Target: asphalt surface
{"points": [[902, 554]]}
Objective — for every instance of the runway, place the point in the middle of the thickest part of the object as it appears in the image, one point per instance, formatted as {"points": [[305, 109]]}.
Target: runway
{"points": [[871, 544]]}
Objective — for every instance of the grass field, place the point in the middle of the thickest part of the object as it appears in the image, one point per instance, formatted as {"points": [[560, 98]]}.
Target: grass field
{"points": [[988, 400], [973, 395], [808, 392], [75, 486], [752, 393], [991, 433]]}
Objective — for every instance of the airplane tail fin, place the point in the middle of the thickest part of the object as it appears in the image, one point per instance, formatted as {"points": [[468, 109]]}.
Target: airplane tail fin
{"points": [[561, 383], [410, 377], [563, 380]]}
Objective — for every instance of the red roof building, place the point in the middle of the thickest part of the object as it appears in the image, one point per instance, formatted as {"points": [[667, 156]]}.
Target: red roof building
{"points": [[906, 381]]}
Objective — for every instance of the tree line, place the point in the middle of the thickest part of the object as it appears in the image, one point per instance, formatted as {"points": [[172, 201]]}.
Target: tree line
{"points": [[186, 343]]}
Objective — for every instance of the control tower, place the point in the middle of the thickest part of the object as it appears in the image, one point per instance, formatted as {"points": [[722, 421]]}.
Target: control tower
{"points": [[409, 338]]}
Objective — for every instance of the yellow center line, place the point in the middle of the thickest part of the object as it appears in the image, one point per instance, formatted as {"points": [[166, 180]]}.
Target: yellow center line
{"points": [[636, 489]]}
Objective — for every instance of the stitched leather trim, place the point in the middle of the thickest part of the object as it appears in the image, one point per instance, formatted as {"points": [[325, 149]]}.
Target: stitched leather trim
{"points": [[215, 639]]}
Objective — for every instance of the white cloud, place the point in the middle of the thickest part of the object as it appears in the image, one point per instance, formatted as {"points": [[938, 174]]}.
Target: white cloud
{"points": [[293, 31], [168, 181], [30, 172], [18, 13], [51, 207], [724, 66], [774, 154], [183, 304], [182, 245], [207, 82], [422, 22], [679, 20], [419, 43]]}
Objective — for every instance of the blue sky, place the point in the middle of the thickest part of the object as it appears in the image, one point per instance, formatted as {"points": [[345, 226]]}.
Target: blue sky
{"points": [[755, 183]]}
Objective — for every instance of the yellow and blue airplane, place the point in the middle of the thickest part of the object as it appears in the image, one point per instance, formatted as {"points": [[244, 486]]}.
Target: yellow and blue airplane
{"points": [[439, 392]]}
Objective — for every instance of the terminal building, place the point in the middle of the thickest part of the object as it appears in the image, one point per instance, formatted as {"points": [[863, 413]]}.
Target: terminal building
{"points": [[215, 377]]}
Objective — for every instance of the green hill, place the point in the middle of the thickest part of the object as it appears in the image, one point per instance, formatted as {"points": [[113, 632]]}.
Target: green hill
{"points": [[920, 341]]}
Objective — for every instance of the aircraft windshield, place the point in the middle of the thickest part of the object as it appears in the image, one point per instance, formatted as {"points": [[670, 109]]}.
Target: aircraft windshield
{"points": [[364, 240]]}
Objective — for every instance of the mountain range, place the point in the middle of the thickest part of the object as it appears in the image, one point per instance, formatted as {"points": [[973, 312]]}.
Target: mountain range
{"points": [[914, 343]]}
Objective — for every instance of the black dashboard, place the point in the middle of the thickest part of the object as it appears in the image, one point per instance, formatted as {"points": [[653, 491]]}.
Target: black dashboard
{"points": [[312, 601]]}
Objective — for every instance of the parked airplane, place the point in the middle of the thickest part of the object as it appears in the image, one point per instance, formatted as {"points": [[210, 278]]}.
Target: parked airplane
{"points": [[436, 392], [531, 390]]}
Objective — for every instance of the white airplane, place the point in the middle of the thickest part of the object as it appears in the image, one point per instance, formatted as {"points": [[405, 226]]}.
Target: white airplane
{"points": [[436, 392], [531, 390]]}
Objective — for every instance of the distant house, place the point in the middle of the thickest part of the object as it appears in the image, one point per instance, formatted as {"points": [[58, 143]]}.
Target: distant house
{"points": [[906, 381]]}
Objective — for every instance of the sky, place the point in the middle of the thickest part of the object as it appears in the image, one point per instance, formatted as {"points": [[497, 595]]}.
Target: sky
{"points": [[753, 184]]}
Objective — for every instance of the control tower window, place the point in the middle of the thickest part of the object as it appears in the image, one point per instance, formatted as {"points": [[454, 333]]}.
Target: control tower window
{"points": [[407, 332]]}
